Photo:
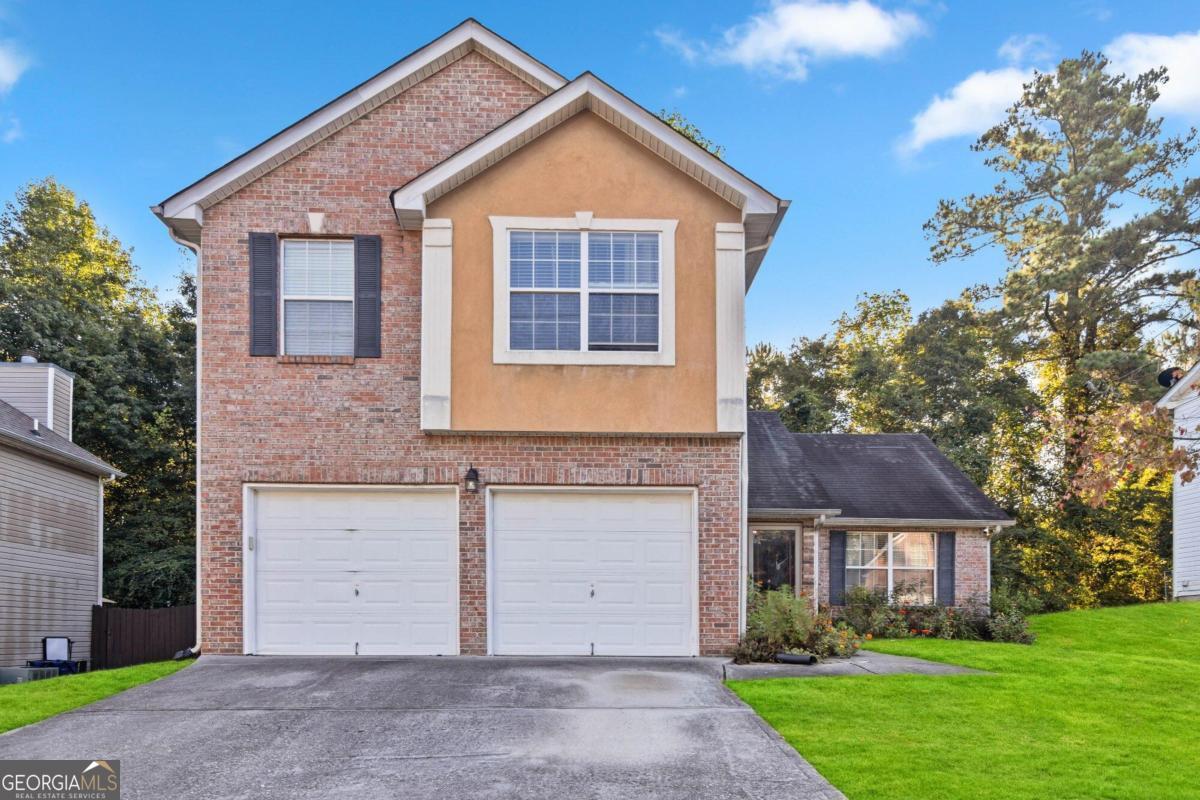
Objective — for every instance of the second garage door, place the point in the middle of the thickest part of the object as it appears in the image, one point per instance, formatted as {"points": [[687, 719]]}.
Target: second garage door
{"points": [[593, 573]]}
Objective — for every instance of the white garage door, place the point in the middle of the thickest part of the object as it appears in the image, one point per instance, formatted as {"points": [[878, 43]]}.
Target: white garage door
{"points": [[355, 572], [601, 573]]}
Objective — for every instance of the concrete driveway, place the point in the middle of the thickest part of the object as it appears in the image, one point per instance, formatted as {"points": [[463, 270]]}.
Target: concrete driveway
{"points": [[431, 727]]}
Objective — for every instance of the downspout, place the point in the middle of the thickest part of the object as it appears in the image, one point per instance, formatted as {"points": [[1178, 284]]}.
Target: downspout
{"points": [[194, 650], [816, 534]]}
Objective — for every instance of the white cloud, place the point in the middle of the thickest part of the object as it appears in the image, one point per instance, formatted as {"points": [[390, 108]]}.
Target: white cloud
{"points": [[679, 91], [674, 40], [784, 40], [1031, 47], [12, 130], [12, 64], [1135, 53], [970, 108]]}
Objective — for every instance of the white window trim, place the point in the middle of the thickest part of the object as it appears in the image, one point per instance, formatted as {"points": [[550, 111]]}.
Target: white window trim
{"points": [[284, 297], [798, 548], [891, 565], [583, 222]]}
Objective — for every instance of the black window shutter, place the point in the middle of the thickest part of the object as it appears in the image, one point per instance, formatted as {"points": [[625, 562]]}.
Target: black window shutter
{"points": [[264, 294], [368, 266], [945, 568], [837, 568]]}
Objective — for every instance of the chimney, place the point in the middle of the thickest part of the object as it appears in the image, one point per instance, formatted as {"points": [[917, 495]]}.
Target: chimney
{"points": [[41, 390]]}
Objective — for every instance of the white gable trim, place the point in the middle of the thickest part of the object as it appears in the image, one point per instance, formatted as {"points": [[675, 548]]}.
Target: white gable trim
{"points": [[1182, 391], [587, 92], [187, 206]]}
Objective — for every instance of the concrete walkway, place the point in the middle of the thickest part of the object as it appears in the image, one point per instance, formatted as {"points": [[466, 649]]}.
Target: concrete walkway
{"points": [[478, 728], [865, 662]]}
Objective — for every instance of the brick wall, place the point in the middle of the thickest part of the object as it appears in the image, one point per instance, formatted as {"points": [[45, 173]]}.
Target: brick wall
{"points": [[357, 421], [970, 563]]}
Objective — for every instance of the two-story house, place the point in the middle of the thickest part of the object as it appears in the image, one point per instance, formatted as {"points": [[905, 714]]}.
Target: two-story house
{"points": [[471, 371]]}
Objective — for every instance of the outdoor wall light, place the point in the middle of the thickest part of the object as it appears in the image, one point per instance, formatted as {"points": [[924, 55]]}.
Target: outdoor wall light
{"points": [[472, 480]]}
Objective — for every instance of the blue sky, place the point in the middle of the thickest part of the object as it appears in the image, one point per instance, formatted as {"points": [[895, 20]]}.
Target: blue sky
{"points": [[859, 112]]}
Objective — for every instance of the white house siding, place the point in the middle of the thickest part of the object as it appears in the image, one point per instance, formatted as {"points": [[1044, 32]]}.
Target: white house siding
{"points": [[1186, 559], [49, 546]]}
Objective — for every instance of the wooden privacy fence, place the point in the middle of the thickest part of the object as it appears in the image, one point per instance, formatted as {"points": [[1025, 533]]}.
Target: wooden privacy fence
{"points": [[122, 637]]}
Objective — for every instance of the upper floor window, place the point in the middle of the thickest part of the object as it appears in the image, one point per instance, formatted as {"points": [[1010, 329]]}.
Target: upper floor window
{"points": [[318, 297], [583, 291]]}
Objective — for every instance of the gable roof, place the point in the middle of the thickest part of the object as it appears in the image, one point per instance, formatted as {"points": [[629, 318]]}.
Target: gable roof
{"points": [[761, 211], [870, 479], [780, 480], [183, 212], [895, 476], [16, 430], [1183, 390]]}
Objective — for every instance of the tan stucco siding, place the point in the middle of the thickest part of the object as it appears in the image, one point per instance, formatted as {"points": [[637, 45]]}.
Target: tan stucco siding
{"points": [[584, 165]]}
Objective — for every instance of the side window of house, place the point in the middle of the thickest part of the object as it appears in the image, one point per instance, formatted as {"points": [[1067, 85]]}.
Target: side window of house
{"points": [[584, 290], [317, 297]]}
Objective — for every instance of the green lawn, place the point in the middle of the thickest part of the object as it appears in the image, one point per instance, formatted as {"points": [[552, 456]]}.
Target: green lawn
{"points": [[26, 703], [1105, 705]]}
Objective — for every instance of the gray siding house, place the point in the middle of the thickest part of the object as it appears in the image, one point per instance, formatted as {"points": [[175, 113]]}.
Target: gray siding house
{"points": [[51, 515]]}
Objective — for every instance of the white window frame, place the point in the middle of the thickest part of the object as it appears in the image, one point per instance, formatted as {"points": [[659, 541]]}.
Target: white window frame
{"points": [[797, 543], [284, 297], [583, 222], [891, 565]]}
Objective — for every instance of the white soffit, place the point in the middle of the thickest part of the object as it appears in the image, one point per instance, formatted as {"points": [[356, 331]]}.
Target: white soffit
{"points": [[587, 92], [1183, 389], [187, 205]]}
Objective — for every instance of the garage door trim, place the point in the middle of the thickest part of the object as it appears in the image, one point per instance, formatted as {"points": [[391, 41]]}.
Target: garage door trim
{"points": [[249, 517], [490, 579]]}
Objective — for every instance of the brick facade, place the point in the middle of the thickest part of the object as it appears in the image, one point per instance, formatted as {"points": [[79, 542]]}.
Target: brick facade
{"points": [[291, 420], [971, 562]]}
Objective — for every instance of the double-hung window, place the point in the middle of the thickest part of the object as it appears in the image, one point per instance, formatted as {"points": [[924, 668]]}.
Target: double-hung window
{"points": [[900, 564], [318, 297], [593, 293]]}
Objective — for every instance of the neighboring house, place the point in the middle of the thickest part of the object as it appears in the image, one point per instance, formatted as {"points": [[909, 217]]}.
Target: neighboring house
{"points": [[887, 511], [471, 371], [51, 515], [1183, 401]]}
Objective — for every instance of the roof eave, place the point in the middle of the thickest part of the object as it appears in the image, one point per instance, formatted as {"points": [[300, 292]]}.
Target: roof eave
{"points": [[898, 522], [50, 454], [1177, 395], [784, 514], [587, 92], [182, 211]]}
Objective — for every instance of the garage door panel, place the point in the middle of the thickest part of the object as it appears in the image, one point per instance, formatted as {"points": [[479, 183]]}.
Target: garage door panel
{"points": [[535, 635], [604, 572], [340, 568]]}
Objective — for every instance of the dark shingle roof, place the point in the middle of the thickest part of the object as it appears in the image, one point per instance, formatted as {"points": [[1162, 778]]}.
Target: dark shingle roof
{"points": [[16, 429], [780, 477], [867, 476]]}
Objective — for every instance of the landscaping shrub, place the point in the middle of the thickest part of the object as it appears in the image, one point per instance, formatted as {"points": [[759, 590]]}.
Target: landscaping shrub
{"points": [[779, 621], [1010, 627], [872, 614]]}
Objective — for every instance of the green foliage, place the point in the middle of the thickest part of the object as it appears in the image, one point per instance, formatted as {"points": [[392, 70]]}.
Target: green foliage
{"points": [[1093, 710], [70, 292], [26, 703], [680, 123], [779, 621], [876, 616], [1027, 385]]}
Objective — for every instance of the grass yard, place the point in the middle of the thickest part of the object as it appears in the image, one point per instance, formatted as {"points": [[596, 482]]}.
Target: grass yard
{"points": [[1105, 705], [26, 703]]}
